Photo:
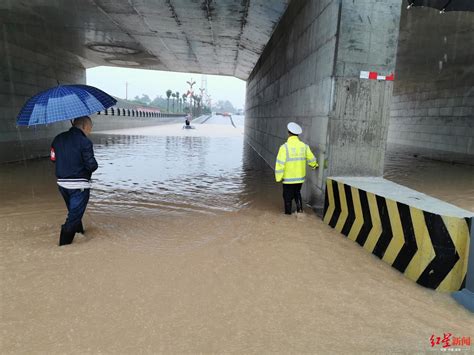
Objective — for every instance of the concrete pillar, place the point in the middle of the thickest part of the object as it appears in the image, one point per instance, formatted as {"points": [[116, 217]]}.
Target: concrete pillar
{"points": [[309, 73], [359, 116], [27, 68]]}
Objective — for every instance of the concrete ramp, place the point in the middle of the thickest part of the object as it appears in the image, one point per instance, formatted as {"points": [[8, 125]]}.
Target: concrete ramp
{"points": [[424, 238], [220, 120], [233, 120]]}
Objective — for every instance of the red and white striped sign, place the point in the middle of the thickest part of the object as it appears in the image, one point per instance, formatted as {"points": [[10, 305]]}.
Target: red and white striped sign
{"points": [[373, 75]]}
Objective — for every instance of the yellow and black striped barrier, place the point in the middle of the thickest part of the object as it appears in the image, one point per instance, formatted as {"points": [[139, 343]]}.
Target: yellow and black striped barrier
{"points": [[429, 248]]}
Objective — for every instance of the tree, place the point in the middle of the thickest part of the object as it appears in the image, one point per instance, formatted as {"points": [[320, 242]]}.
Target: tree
{"points": [[173, 95], [198, 99], [168, 94], [144, 99], [160, 103], [177, 101], [194, 104], [184, 100], [224, 106], [206, 110]]}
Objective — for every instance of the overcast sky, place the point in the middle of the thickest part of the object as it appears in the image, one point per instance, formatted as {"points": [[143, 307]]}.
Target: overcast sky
{"points": [[155, 83]]}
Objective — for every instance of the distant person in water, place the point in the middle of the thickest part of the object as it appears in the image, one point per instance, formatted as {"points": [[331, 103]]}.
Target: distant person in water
{"points": [[73, 154], [188, 120]]}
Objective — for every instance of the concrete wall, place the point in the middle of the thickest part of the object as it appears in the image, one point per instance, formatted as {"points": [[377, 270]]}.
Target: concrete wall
{"points": [[309, 73], [436, 118], [25, 70], [292, 81], [433, 97]]}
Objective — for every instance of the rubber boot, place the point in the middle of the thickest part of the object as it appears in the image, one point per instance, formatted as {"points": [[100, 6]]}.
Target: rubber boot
{"points": [[299, 205], [66, 236], [287, 207], [80, 228]]}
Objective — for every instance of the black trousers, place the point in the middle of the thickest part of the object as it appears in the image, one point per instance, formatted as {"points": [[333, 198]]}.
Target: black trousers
{"points": [[292, 192]]}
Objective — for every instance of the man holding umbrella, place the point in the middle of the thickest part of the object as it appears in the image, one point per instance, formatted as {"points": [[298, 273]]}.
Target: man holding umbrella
{"points": [[72, 151], [73, 154]]}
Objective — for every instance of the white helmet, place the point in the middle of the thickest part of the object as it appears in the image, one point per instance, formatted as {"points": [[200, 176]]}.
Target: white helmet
{"points": [[294, 128]]}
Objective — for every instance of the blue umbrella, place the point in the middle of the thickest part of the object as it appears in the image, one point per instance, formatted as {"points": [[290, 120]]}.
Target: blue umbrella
{"points": [[63, 102]]}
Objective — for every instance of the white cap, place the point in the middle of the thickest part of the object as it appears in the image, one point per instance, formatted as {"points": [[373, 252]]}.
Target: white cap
{"points": [[294, 128]]}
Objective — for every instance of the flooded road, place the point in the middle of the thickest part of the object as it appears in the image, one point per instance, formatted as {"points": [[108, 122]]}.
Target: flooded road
{"points": [[174, 175], [187, 250]]}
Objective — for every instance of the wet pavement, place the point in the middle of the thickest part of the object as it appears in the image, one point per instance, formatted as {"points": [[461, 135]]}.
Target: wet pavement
{"points": [[186, 250]]}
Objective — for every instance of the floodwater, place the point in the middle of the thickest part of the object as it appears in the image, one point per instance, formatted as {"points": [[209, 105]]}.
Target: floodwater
{"points": [[453, 183], [187, 250]]}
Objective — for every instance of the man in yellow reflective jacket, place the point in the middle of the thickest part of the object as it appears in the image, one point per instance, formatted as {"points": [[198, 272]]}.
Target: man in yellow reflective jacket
{"points": [[290, 167]]}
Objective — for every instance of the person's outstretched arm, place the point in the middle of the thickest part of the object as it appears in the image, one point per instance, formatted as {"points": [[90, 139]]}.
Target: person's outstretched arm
{"points": [[310, 158]]}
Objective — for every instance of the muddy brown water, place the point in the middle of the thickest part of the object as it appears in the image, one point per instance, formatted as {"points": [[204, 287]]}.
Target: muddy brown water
{"points": [[186, 250]]}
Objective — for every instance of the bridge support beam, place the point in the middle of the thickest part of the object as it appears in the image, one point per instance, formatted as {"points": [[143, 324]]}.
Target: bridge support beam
{"points": [[310, 73]]}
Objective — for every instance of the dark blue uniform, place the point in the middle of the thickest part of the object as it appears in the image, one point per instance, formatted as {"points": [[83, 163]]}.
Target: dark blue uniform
{"points": [[73, 154]]}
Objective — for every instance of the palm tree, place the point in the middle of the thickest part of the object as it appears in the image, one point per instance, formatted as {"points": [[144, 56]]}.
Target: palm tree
{"points": [[168, 94], [173, 95], [184, 99], [195, 102], [198, 99]]}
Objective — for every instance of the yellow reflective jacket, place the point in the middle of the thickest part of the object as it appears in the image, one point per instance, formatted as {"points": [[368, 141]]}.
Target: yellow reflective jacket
{"points": [[291, 161]]}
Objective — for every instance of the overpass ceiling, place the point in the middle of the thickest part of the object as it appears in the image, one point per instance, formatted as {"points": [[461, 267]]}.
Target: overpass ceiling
{"points": [[224, 37]]}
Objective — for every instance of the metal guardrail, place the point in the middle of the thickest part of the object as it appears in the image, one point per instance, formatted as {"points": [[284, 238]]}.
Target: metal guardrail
{"points": [[126, 112]]}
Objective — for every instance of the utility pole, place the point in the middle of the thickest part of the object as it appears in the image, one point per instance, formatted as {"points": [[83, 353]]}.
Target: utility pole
{"points": [[126, 90]]}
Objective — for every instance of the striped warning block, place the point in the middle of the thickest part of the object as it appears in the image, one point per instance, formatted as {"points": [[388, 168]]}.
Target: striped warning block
{"points": [[424, 238]]}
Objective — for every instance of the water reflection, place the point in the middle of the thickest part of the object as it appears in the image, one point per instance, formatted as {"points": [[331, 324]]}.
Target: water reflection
{"points": [[153, 175], [199, 174], [178, 174]]}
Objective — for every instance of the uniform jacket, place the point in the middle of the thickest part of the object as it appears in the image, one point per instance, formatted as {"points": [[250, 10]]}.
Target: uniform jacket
{"points": [[290, 166]]}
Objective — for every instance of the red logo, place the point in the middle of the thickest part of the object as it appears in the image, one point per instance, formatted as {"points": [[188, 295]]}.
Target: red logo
{"points": [[52, 154], [448, 341]]}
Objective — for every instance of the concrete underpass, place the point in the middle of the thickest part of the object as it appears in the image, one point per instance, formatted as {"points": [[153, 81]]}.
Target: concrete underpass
{"points": [[302, 62], [379, 90]]}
